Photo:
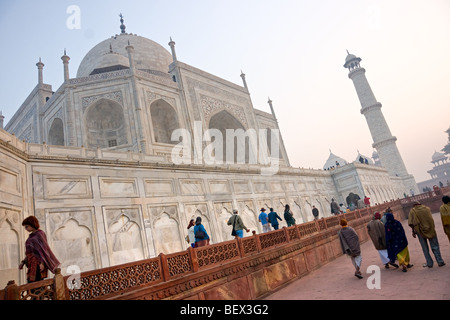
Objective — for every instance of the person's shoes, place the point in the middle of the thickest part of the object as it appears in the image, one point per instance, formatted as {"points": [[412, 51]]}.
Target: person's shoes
{"points": [[441, 264], [410, 266], [358, 275], [426, 265], [386, 265], [394, 264]]}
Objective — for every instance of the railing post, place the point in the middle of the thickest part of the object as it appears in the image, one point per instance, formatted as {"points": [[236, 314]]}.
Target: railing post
{"points": [[194, 260], [258, 241], [286, 233], [11, 291], [164, 267], [297, 227], [60, 288], [240, 246]]}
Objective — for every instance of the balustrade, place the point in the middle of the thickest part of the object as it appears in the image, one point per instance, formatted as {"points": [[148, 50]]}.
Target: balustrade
{"points": [[112, 281]]}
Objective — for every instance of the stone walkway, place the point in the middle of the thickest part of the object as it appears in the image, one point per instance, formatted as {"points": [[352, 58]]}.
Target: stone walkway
{"points": [[336, 280]]}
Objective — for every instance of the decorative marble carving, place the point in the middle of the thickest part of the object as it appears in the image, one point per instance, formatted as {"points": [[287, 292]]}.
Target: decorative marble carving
{"points": [[211, 106], [115, 96]]}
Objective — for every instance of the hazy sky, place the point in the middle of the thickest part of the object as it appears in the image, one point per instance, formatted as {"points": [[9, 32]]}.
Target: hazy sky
{"points": [[292, 51]]}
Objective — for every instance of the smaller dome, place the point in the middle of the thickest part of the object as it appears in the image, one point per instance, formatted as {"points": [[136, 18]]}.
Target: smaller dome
{"points": [[350, 57], [333, 162], [438, 156], [362, 158]]}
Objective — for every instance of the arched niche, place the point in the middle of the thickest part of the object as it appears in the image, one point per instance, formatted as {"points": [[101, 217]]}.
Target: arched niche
{"points": [[273, 137], [105, 124], [164, 121], [250, 221], [73, 245], [9, 251], [56, 133], [167, 235], [222, 121], [125, 241]]}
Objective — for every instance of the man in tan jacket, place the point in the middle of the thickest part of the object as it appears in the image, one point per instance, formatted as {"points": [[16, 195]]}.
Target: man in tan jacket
{"points": [[422, 224]]}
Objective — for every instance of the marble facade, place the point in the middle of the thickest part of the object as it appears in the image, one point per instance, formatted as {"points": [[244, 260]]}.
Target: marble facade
{"points": [[92, 161]]}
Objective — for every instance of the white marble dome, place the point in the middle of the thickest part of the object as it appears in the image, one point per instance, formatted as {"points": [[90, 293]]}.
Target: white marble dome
{"points": [[148, 55]]}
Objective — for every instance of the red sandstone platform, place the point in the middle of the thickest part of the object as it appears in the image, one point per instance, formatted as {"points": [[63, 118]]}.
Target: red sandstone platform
{"points": [[335, 281]]}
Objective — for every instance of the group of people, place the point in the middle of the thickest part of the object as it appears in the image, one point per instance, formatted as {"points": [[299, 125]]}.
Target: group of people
{"points": [[389, 237], [337, 209], [198, 236], [386, 233], [271, 219]]}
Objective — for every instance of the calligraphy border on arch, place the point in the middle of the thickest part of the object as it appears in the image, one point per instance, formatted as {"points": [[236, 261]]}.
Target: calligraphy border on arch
{"points": [[152, 97], [211, 106], [115, 96]]}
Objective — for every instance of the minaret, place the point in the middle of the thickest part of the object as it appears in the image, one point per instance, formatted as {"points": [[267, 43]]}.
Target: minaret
{"points": [[2, 118], [244, 81], [65, 58], [282, 149], [172, 48], [40, 66], [383, 141]]}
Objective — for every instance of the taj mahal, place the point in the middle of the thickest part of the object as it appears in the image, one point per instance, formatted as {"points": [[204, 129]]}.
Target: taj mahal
{"points": [[93, 159]]}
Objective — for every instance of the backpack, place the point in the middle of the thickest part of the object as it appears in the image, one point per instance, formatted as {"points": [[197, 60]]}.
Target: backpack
{"points": [[200, 234]]}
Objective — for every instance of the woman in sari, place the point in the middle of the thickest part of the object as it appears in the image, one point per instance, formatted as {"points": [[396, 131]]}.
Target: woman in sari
{"points": [[396, 242], [39, 257]]}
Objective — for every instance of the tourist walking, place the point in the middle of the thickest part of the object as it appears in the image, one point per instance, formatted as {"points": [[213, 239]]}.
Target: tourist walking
{"points": [[366, 201], [39, 258], [377, 234], [396, 242], [191, 235], [201, 236], [315, 212], [264, 219], [273, 219], [445, 215], [383, 218], [288, 216], [238, 225], [335, 207], [422, 224], [349, 241]]}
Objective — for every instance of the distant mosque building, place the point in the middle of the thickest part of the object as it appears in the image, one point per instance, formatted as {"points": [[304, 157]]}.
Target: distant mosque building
{"points": [[440, 173], [93, 159]]}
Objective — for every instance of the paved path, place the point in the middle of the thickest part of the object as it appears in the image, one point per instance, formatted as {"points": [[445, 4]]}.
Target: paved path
{"points": [[336, 280]]}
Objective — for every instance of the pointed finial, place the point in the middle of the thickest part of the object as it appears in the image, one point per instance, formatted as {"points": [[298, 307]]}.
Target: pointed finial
{"points": [[347, 51], [65, 52], [122, 26]]}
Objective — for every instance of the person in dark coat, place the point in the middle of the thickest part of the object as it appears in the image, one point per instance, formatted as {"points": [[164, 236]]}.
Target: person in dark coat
{"points": [[315, 212], [273, 219], [349, 241], [288, 216]]}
